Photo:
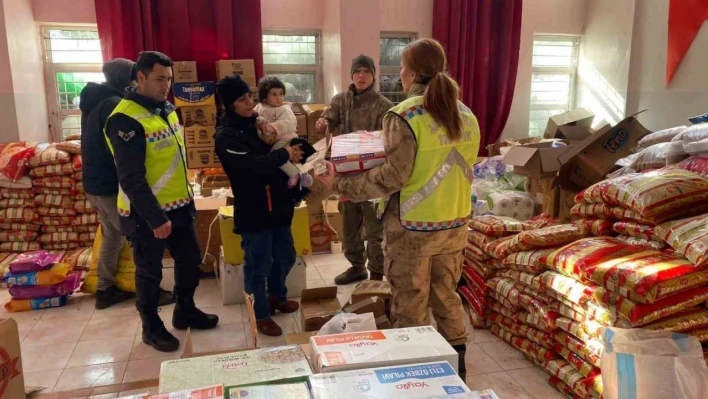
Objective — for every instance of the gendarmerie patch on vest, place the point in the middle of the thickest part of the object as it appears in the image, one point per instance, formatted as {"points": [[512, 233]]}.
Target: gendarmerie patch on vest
{"points": [[126, 136]]}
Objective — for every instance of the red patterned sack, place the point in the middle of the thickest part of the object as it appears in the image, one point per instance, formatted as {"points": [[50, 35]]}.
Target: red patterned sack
{"points": [[54, 182], [19, 247], [496, 226], [77, 163], [590, 352], [478, 239], [547, 237], [688, 237], [52, 170], [79, 259], [474, 279], [80, 187], [475, 253], [47, 211], [534, 281], [15, 215], [604, 211], [19, 226], [658, 196], [87, 237], [501, 309], [61, 246], [472, 299], [83, 206], [540, 337], [17, 236], [634, 229], [88, 228], [584, 331], [533, 349], [701, 334], [58, 229], [50, 238], [595, 227], [696, 164], [547, 323], [642, 242], [53, 191], [585, 368], [17, 193], [86, 219], [60, 201], [78, 175], [14, 158], [692, 319], [55, 220], [45, 154], [500, 248], [541, 221], [16, 203], [528, 261], [638, 315]]}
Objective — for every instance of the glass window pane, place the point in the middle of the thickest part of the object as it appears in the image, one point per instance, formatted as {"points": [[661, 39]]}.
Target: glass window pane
{"points": [[73, 46], [70, 125], [558, 52], [391, 88], [391, 49], [70, 84], [299, 87], [289, 50]]}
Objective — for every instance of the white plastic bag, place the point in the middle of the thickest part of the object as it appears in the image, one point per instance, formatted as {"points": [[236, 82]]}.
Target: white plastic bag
{"points": [[644, 364], [662, 136], [516, 204], [349, 323]]}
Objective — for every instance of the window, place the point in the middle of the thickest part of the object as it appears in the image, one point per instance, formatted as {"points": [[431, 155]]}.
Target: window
{"points": [[294, 58], [390, 50], [555, 63], [72, 58]]}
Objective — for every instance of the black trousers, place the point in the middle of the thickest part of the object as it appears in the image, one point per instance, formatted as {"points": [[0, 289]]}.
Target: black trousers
{"points": [[148, 252]]}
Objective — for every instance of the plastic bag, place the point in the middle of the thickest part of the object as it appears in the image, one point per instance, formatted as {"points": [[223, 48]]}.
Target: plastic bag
{"points": [[46, 154], [497, 226], [696, 164], [650, 158], [675, 153], [52, 170], [23, 305], [595, 227], [485, 269], [34, 261], [528, 261], [23, 182], [500, 248], [16, 203], [348, 323], [547, 237], [634, 229], [66, 287], [640, 364], [475, 253], [17, 235], [689, 237], [14, 159], [19, 193], [54, 182], [515, 204], [662, 136], [474, 279], [60, 201], [642, 242], [125, 278], [51, 211], [18, 247], [604, 211], [71, 147], [478, 239], [490, 168], [691, 319]]}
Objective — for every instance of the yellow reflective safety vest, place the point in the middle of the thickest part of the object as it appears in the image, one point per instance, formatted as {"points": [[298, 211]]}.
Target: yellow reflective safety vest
{"points": [[165, 162], [438, 195]]}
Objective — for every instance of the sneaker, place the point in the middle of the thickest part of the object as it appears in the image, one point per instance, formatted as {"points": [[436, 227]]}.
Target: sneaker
{"points": [[194, 318], [306, 180], [269, 328], [111, 296], [352, 275], [161, 340], [166, 298], [285, 307]]}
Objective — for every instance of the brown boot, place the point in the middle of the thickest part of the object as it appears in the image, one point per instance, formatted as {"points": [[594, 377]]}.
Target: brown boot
{"points": [[376, 276], [285, 307], [269, 328]]}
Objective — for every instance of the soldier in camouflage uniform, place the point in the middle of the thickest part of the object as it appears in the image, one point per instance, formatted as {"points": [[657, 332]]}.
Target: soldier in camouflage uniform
{"points": [[423, 255], [359, 108]]}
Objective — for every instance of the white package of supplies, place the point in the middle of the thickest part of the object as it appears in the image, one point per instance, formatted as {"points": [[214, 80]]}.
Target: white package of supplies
{"points": [[644, 364], [401, 382], [515, 204], [394, 347], [289, 391]]}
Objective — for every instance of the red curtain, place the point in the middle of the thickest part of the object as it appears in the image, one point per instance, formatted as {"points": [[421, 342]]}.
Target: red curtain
{"points": [[204, 31], [482, 39]]}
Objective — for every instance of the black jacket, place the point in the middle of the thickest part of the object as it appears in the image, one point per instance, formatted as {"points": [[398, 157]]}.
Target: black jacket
{"points": [[129, 151], [262, 200], [97, 103]]}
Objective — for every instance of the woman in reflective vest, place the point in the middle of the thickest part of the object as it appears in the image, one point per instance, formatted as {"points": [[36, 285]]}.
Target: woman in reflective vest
{"points": [[431, 142]]}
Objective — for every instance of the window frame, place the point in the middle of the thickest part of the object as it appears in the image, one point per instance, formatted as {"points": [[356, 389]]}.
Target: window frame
{"points": [[278, 69], [571, 71], [56, 114], [390, 69]]}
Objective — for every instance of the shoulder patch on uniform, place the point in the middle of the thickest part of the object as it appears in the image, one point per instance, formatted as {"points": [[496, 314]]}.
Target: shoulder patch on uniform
{"points": [[126, 136], [412, 112]]}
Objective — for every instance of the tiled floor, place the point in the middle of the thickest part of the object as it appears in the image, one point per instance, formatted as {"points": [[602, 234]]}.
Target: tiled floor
{"points": [[77, 346]]}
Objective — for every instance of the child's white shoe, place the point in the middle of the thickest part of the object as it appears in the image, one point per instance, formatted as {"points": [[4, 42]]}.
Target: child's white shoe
{"points": [[292, 182], [306, 180]]}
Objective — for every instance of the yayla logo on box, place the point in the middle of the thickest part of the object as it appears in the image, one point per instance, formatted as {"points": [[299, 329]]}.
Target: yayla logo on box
{"points": [[234, 366], [412, 385]]}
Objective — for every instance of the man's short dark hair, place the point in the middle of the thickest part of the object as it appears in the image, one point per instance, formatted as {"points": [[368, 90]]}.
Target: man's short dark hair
{"points": [[267, 83], [148, 59]]}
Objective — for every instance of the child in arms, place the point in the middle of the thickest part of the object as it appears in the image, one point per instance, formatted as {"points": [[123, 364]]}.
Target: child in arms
{"points": [[277, 125]]}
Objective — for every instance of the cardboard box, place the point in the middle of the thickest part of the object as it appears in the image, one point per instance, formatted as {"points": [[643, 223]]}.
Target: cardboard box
{"points": [[371, 289], [592, 159], [233, 254], [294, 391], [211, 392], [185, 72], [374, 305], [355, 351], [316, 113], [198, 158], [226, 68], [324, 230], [357, 152], [237, 369], [202, 115], [535, 160], [194, 94], [12, 384], [566, 203], [317, 307], [415, 381], [301, 125], [575, 125], [199, 136], [546, 193]]}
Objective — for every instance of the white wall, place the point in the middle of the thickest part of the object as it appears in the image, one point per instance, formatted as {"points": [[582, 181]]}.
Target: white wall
{"points": [[605, 51], [539, 17], [407, 16], [687, 94]]}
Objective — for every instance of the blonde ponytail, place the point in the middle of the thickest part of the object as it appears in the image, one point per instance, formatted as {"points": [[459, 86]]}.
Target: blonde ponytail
{"points": [[440, 101]]}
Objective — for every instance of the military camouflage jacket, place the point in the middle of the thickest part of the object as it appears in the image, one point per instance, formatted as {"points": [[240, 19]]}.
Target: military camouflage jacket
{"points": [[389, 179], [350, 112]]}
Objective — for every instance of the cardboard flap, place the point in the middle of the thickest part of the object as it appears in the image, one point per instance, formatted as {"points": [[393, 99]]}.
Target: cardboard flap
{"points": [[578, 148], [519, 155], [318, 293], [575, 133], [579, 117], [549, 158]]}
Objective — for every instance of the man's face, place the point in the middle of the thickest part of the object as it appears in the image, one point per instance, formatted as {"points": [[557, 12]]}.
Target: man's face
{"points": [[157, 83], [244, 105], [363, 78]]}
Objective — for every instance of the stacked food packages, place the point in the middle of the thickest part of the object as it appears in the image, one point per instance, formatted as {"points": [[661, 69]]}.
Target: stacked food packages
{"points": [[38, 280], [634, 258], [18, 215]]}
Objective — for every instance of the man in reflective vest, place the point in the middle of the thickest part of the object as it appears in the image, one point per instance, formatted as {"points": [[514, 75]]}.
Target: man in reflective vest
{"points": [[155, 200]]}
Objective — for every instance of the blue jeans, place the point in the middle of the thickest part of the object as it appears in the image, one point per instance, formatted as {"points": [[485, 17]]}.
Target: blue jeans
{"points": [[269, 257]]}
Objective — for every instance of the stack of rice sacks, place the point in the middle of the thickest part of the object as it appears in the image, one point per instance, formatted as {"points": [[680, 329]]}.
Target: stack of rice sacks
{"points": [[37, 280], [19, 227], [66, 220]]}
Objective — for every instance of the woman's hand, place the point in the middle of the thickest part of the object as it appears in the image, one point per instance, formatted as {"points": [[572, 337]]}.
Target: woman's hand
{"points": [[295, 152], [328, 178], [321, 126]]}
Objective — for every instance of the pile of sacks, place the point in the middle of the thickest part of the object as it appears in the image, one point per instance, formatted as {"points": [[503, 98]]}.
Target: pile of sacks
{"points": [[38, 280], [64, 213]]}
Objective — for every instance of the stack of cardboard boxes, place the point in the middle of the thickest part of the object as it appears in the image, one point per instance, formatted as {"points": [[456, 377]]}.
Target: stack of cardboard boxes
{"points": [[571, 157]]}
